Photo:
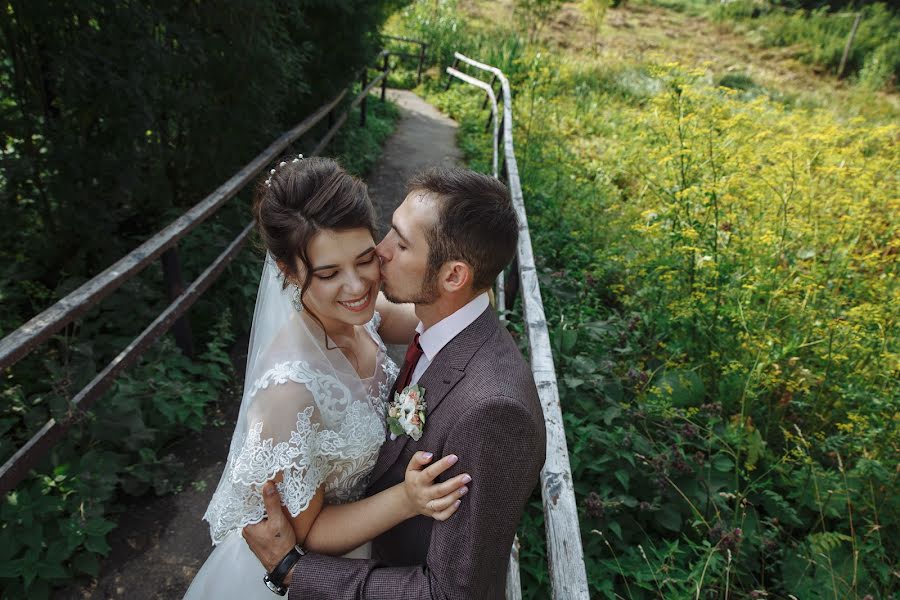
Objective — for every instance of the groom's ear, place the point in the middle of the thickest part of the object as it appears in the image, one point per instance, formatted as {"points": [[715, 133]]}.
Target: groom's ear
{"points": [[456, 276]]}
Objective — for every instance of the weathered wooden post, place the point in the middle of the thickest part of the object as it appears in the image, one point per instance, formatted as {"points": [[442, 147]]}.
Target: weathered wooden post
{"points": [[421, 63], [849, 44], [450, 77], [362, 105], [384, 69], [174, 283]]}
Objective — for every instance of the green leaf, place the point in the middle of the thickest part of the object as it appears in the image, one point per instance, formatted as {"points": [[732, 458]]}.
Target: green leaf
{"points": [[723, 463], [611, 413], [616, 529], [755, 446], [572, 382], [613, 390], [684, 388], [52, 570], [98, 527], [97, 545], [622, 476], [11, 569], [669, 518], [85, 562]]}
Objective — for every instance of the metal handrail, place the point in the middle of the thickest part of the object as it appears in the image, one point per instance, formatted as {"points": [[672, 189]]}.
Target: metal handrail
{"points": [[501, 287], [37, 330], [564, 547]]}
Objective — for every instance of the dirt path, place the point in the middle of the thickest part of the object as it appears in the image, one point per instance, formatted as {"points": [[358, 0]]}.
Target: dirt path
{"points": [[424, 138], [162, 542]]}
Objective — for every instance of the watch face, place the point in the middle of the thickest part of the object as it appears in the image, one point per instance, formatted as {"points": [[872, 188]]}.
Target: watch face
{"points": [[273, 586]]}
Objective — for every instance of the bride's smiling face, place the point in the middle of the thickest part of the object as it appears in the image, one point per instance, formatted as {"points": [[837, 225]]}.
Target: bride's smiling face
{"points": [[344, 279]]}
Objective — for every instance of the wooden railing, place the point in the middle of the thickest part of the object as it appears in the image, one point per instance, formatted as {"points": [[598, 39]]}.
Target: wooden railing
{"points": [[420, 56], [162, 245], [564, 549]]}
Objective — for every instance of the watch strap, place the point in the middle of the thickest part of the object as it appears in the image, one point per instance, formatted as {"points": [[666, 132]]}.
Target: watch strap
{"points": [[275, 580]]}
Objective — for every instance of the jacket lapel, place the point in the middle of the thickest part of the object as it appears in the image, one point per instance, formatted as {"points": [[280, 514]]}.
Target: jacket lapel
{"points": [[441, 376]]}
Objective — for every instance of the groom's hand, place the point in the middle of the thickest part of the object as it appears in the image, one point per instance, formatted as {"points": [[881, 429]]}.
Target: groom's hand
{"points": [[272, 538]]}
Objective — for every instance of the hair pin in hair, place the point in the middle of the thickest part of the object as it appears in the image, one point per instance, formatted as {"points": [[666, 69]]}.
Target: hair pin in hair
{"points": [[281, 164]]}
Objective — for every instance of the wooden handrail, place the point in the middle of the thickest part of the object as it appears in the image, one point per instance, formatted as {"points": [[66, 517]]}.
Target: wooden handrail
{"points": [[15, 469], [564, 548], [404, 39], [24, 339], [19, 343], [423, 47]]}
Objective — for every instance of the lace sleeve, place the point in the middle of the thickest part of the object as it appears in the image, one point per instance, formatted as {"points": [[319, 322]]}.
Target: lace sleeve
{"points": [[302, 424], [284, 435]]}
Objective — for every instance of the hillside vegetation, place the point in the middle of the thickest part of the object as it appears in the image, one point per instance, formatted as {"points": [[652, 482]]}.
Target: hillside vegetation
{"points": [[717, 235]]}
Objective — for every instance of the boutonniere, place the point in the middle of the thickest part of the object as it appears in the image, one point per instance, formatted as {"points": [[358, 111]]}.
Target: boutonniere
{"points": [[406, 413]]}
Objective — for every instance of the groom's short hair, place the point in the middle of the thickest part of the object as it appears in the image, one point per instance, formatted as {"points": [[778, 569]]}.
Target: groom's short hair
{"points": [[475, 222]]}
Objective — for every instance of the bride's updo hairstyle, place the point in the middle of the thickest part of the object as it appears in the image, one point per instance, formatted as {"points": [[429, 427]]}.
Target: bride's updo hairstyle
{"points": [[301, 198]]}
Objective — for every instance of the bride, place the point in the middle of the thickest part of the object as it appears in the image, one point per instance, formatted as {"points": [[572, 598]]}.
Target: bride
{"points": [[318, 375]]}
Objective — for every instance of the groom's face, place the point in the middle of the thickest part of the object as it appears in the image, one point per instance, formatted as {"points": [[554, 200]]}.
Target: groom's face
{"points": [[404, 252]]}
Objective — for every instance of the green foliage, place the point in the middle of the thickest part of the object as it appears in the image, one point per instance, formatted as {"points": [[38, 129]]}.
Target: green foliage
{"points": [[73, 496], [594, 12], [56, 521], [435, 23], [118, 115], [88, 177], [717, 269], [533, 14], [357, 148], [819, 37]]}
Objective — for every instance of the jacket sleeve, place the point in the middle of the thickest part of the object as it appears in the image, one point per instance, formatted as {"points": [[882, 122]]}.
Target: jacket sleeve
{"points": [[502, 447]]}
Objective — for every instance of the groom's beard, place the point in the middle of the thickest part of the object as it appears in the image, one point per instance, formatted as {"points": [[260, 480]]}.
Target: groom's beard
{"points": [[426, 294]]}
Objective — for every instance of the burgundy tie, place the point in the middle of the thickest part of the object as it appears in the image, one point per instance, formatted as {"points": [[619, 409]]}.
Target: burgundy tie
{"points": [[413, 352]]}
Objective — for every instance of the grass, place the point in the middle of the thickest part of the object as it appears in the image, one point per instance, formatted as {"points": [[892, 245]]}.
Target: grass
{"points": [[715, 243]]}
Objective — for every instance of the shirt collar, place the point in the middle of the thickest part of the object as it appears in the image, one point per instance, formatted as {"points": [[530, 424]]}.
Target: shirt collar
{"points": [[433, 339]]}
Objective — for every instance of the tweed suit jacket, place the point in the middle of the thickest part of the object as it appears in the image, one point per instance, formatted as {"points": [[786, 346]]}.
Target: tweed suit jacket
{"points": [[482, 405]]}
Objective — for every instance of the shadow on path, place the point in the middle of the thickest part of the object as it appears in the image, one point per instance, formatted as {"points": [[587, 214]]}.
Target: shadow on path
{"points": [[161, 542]]}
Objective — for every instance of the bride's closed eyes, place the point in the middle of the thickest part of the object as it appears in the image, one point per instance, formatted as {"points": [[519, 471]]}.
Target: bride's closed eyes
{"points": [[368, 257]]}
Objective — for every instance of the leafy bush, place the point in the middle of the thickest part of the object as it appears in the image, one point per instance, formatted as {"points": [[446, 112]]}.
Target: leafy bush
{"points": [[719, 273], [117, 115], [55, 523]]}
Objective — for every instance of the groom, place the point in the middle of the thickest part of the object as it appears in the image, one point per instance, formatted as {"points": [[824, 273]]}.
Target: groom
{"points": [[449, 239]]}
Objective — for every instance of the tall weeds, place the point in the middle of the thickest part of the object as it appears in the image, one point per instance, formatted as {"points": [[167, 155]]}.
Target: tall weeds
{"points": [[719, 269]]}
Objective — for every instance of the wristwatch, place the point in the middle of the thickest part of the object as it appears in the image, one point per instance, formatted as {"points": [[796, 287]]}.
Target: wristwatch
{"points": [[275, 580]]}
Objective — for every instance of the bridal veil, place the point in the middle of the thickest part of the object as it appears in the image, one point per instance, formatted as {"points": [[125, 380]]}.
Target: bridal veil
{"points": [[305, 416]]}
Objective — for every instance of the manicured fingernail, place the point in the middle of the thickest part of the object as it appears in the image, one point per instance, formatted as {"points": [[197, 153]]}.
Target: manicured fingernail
{"points": [[457, 503], [463, 491], [452, 459], [466, 479], [427, 455], [270, 490]]}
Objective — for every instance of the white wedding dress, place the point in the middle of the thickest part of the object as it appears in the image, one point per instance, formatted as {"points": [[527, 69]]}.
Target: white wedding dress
{"points": [[307, 417]]}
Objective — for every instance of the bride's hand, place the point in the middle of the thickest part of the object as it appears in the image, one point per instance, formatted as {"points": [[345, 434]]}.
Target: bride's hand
{"points": [[436, 500]]}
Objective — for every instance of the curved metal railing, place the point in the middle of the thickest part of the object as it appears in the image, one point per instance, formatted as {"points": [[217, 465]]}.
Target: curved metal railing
{"points": [[564, 549]]}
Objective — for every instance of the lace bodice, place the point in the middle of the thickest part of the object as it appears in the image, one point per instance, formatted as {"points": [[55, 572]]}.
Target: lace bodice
{"points": [[307, 427]]}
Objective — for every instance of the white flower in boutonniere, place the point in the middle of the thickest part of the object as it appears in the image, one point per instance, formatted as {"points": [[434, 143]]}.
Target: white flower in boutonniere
{"points": [[406, 413]]}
